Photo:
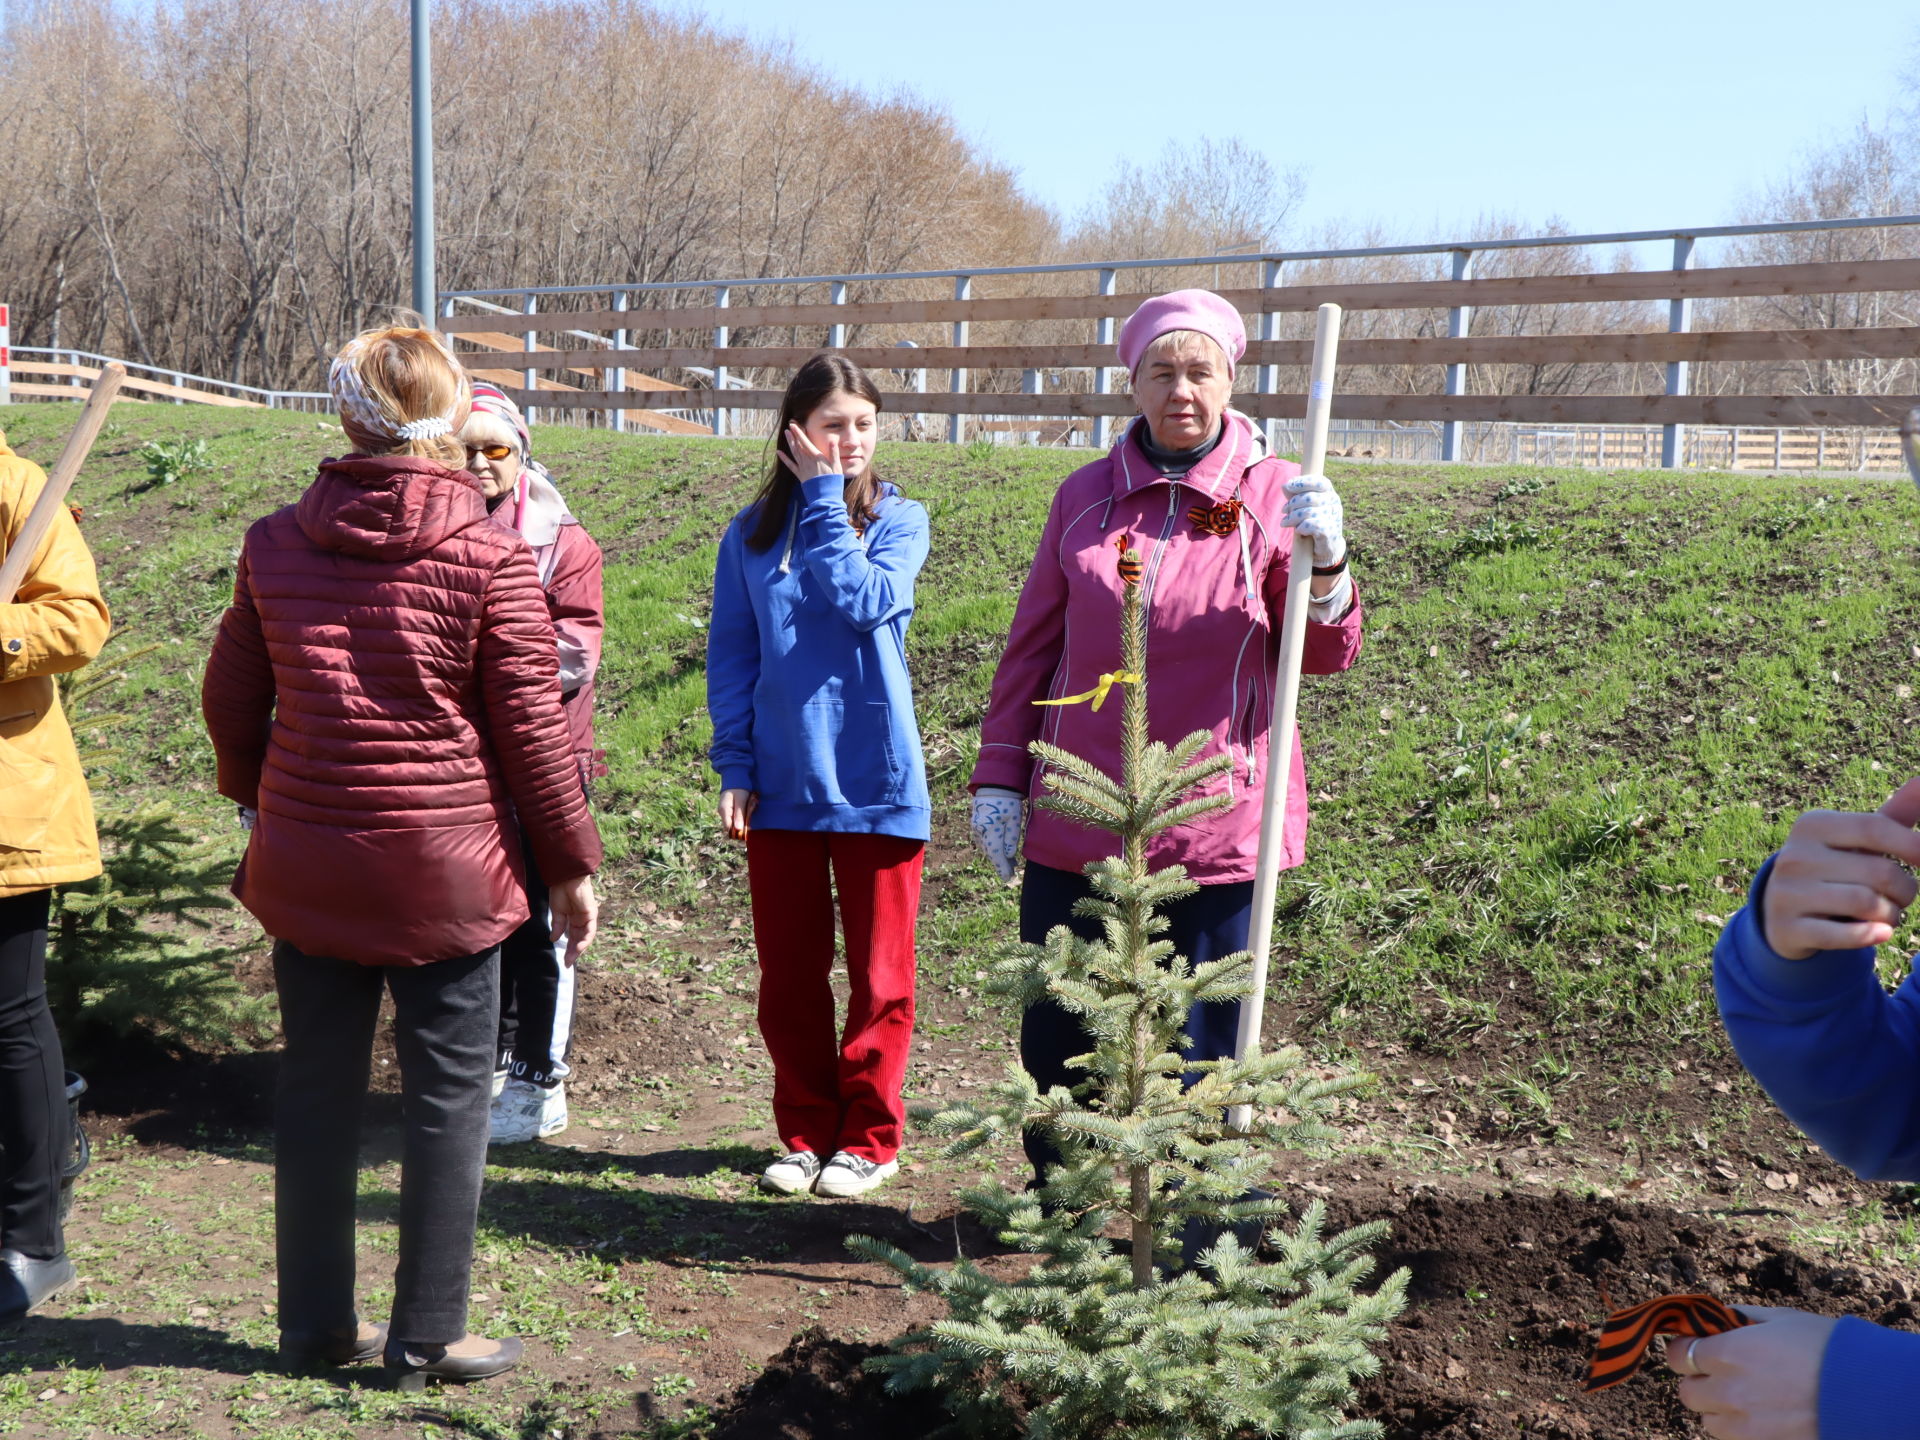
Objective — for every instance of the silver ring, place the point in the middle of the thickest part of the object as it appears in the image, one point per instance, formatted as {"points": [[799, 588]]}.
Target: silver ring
{"points": [[1692, 1367]]}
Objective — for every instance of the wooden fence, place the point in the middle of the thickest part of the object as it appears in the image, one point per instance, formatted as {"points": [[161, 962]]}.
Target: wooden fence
{"points": [[1000, 382]]}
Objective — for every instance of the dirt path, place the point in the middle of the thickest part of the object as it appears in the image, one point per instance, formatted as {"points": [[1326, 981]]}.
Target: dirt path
{"points": [[655, 1282]]}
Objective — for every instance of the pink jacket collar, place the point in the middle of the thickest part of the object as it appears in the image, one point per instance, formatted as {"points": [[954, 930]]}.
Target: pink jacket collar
{"points": [[1217, 476]]}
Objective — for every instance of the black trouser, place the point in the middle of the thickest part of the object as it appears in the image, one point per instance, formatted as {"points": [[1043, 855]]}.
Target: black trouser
{"points": [[443, 1030], [35, 1133], [1206, 925], [536, 994]]}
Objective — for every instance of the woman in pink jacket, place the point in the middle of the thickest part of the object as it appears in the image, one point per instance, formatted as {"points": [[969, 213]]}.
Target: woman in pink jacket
{"points": [[1191, 486], [536, 973]]}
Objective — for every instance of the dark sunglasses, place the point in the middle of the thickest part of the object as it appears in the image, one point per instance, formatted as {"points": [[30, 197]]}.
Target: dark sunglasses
{"points": [[492, 452]]}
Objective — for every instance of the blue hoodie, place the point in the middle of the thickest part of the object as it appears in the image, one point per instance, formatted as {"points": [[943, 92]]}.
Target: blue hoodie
{"points": [[1842, 1058], [807, 667]]}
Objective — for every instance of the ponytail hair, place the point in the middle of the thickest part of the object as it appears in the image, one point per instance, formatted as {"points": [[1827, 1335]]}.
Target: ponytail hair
{"points": [[401, 391]]}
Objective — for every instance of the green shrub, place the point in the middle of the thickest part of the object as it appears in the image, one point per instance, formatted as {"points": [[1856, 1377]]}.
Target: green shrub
{"points": [[130, 950], [1493, 534], [171, 460]]}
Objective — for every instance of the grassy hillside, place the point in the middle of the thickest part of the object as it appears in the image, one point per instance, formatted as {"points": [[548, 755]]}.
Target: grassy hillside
{"points": [[1587, 705]]}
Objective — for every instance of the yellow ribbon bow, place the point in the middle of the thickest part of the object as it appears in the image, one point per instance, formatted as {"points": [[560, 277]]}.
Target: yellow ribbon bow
{"points": [[1099, 692]]}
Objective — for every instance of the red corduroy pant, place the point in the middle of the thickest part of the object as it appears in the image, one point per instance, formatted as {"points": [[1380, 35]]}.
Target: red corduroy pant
{"points": [[836, 1092]]}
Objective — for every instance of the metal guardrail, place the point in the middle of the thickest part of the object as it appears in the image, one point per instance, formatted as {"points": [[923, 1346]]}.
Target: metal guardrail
{"points": [[303, 400], [1282, 257], [1460, 411]]}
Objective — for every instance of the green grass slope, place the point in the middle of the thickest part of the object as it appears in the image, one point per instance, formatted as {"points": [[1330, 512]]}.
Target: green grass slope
{"points": [[1587, 706]]}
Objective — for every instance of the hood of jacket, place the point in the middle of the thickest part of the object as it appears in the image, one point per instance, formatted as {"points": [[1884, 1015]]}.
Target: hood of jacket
{"points": [[388, 507], [1219, 472]]}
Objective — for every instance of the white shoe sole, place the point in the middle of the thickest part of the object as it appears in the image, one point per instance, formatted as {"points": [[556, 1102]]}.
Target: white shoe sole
{"points": [[835, 1188], [789, 1182]]}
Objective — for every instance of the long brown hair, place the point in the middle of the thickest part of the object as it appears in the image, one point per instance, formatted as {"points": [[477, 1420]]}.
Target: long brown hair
{"points": [[815, 382]]}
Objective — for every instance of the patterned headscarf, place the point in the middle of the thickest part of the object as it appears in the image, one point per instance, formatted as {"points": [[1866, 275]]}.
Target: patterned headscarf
{"points": [[492, 400], [361, 412]]}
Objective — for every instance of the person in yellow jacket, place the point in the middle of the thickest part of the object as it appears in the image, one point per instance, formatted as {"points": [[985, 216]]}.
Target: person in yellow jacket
{"points": [[56, 623]]}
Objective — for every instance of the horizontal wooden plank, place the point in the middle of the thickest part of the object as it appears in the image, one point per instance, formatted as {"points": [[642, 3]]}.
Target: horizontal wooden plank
{"points": [[1892, 342], [132, 382], [1825, 278], [667, 424], [587, 362], [1792, 410], [68, 392]]}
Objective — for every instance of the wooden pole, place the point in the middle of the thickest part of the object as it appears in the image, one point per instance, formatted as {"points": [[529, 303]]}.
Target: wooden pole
{"points": [[13, 573], [1293, 639]]}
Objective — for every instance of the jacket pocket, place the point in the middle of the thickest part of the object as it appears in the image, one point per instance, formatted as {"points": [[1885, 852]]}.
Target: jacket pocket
{"points": [[29, 790], [838, 754]]}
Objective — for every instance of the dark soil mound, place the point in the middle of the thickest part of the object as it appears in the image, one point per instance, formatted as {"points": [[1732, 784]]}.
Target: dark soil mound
{"points": [[1508, 1290], [1505, 1297], [816, 1390]]}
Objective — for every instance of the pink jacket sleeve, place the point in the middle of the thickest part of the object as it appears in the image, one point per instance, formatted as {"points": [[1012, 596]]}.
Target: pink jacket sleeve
{"points": [[1026, 669], [576, 602], [1331, 647]]}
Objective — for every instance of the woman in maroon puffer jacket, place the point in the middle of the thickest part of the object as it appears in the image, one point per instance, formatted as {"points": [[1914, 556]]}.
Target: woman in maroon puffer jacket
{"points": [[384, 692]]}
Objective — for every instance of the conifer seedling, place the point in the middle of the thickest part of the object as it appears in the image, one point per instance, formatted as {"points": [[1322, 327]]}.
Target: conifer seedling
{"points": [[1109, 1333]]}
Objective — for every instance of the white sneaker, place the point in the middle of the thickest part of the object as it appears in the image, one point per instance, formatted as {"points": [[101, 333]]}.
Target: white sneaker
{"points": [[792, 1174], [500, 1082], [525, 1111], [848, 1175]]}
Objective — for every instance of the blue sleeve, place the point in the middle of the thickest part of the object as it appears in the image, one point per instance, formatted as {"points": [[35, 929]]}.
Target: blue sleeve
{"points": [[1870, 1384], [733, 666], [868, 584], [1834, 1051]]}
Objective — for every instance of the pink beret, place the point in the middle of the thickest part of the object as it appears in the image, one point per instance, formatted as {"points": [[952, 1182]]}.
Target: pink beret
{"points": [[1199, 310]]}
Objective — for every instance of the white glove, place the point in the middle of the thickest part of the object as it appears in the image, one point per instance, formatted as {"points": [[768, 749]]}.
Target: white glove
{"points": [[1314, 509], [998, 817]]}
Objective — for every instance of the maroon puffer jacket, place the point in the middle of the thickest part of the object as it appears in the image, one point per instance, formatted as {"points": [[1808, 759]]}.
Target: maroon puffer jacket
{"points": [[384, 690]]}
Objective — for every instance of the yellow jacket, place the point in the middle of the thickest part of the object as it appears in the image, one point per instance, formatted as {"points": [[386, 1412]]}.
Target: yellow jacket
{"points": [[58, 623]]}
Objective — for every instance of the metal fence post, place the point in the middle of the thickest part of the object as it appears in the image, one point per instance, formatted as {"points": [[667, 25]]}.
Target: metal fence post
{"points": [[1031, 384], [956, 422], [1268, 382], [837, 333], [719, 371], [529, 378], [1103, 373], [1679, 322], [617, 376], [1459, 321]]}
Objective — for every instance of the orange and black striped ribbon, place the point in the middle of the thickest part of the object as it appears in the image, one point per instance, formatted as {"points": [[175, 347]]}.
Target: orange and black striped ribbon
{"points": [[1627, 1333]]}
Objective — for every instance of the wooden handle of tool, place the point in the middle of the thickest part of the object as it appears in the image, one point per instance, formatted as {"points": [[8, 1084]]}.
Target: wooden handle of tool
{"points": [[1286, 701], [26, 544]]}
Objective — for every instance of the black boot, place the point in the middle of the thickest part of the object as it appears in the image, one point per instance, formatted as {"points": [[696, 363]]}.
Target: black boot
{"points": [[472, 1357], [358, 1344], [26, 1283]]}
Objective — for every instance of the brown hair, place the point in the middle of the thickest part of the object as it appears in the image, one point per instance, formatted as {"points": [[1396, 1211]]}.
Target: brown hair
{"points": [[815, 382], [407, 373]]}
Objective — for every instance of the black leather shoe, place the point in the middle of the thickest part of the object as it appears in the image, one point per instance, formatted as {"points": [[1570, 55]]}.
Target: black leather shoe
{"points": [[26, 1283], [302, 1350], [473, 1357]]}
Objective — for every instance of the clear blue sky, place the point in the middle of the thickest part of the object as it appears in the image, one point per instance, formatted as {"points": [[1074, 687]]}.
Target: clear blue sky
{"points": [[1420, 116]]}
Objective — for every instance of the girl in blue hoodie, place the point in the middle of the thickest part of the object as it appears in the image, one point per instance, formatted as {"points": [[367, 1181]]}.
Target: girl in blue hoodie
{"points": [[1794, 974], [821, 775]]}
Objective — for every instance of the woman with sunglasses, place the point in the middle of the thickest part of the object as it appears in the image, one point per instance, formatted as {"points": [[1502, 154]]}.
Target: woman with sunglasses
{"points": [[536, 976]]}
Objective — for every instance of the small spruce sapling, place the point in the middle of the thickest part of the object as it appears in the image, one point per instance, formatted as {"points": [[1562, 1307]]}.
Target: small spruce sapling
{"points": [[131, 948], [1103, 1337]]}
